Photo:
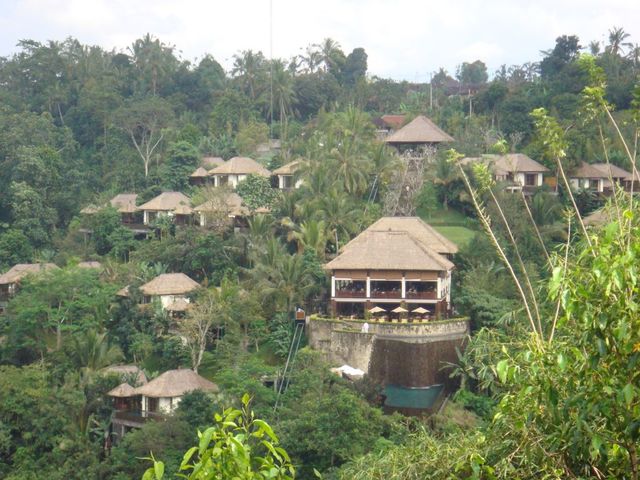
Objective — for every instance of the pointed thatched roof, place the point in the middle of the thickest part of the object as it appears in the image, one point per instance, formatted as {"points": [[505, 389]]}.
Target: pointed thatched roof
{"points": [[170, 284], [123, 390], [176, 383], [200, 172], [21, 270], [123, 292], [419, 130], [515, 162], [418, 229], [128, 370], [588, 171], [288, 169], [166, 201], [125, 202], [211, 162], [388, 250], [240, 166]]}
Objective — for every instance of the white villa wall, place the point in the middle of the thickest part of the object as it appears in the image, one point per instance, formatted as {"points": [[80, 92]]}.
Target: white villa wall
{"points": [[165, 404], [583, 183], [281, 180], [232, 180], [167, 300]]}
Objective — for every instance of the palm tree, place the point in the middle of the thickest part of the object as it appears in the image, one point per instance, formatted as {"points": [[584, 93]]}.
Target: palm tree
{"points": [[248, 68], [310, 235], [288, 283], [92, 351], [617, 37], [634, 55], [339, 214], [283, 93], [312, 59], [446, 174], [330, 51]]}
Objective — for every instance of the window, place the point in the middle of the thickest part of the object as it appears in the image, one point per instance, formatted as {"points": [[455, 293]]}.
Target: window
{"points": [[152, 404], [531, 179], [287, 181]]}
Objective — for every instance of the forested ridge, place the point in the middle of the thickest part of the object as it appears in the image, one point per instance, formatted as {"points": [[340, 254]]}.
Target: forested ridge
{"points": [[549, 383]]}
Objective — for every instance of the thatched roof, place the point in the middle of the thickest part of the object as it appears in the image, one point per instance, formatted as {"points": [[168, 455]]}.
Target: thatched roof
{"points": [[588, 171], [616, 171], [170, 284], [599, 217], [240, 166], [176, 383], [388, 250], [90, 210], [125, 202], [211, 162], [393, 121], [516, 162], [200, 172], [166, 201], [128, 370], [90, 264], [123, 292], [288, 169], [234, 205], [123, 390], [183, 210], [21, 270], [418, 229], [178, 305], [419, 130], [502, 165]]}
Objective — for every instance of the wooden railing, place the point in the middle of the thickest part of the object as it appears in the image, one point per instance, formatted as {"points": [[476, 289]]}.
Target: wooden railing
{"points": [[421, 295], [137, 416], [382, 294], [350, 294]]}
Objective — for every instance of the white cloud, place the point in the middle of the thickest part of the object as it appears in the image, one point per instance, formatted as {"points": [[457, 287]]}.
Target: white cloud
{"points": [[405, 39]]}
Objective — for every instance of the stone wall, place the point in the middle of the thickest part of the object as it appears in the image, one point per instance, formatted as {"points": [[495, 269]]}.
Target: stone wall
{"points": [[343, 342]]}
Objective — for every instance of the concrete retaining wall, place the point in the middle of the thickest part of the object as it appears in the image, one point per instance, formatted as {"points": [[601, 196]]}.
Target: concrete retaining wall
{"points": [[343, 342]]}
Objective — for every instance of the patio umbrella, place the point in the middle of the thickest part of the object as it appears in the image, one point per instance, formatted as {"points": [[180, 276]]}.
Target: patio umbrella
{"points": [[419, 310], [399, 310], [376, 310]]}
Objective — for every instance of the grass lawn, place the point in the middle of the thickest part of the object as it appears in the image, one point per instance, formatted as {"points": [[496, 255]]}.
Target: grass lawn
{"points": [[452, 224], [458, 235]]}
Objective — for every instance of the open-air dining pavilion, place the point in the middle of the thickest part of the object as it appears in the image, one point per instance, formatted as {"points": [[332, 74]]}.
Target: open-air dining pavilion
{"points": [[396, 262]]}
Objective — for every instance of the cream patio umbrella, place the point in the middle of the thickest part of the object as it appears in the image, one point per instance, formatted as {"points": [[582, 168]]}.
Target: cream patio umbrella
{"points": [[399, 310], [420, 310], [376, 310]]}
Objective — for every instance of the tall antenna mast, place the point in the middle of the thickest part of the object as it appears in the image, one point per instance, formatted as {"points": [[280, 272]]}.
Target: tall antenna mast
{"points": [[271, 69]]}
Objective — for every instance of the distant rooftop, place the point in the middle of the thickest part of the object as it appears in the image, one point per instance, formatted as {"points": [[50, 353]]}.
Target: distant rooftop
{"points": [[419, 130]]}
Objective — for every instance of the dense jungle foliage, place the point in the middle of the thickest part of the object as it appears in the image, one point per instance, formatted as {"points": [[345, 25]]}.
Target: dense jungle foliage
{"points": [[549, 382]]}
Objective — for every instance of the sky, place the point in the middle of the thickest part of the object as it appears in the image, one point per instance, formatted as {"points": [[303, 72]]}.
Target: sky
{"points": [[404, 39]]}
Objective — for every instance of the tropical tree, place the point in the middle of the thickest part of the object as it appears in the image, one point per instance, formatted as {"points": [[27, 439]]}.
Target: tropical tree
{"points": [[249, 70], [617, 37], [144, 121], [339, 214], [92, 350]]}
